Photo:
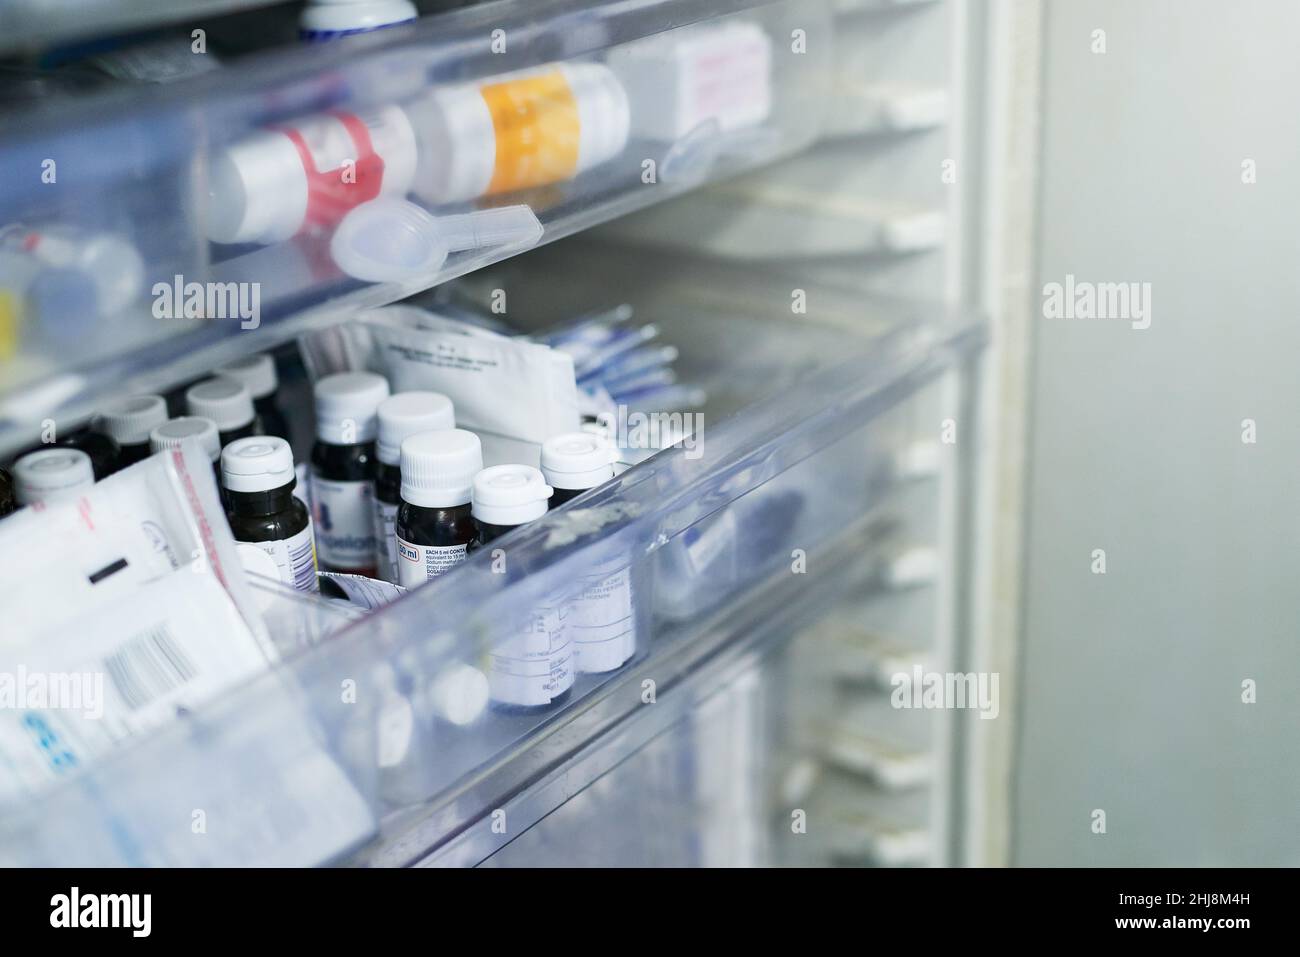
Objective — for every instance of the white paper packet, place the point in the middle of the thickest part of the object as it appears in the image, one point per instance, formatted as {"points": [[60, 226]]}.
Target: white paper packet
{"points": [[498, 384], [121, 607]]}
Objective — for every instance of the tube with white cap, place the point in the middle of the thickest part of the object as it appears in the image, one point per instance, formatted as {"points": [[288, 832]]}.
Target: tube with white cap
{"points": [[601, 621]]}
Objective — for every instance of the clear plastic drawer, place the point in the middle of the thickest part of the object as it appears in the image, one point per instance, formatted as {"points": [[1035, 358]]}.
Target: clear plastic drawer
{"points": [[145, 233]]}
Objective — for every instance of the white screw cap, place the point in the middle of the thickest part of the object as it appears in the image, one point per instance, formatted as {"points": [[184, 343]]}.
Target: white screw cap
{"points": [[188, 428], [257, 372], [406, 414], [257, 464], [346, 406], [225, 401], [52, 475], [438, 468], [130, 420], [578, 460], [510, 495]]}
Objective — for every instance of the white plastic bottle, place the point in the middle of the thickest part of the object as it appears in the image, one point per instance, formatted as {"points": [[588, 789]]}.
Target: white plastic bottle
{"points": [[517, 131], [324, 20], [401, 415], [52, 475], [276, 183]]}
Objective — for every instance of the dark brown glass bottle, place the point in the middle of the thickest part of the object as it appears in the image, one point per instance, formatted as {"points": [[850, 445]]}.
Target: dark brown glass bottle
{"points": [[105, 454], [7, 503], [435, 527], [226, 402], [128, 421], [342, 471], [259, 479], [531, 666]]}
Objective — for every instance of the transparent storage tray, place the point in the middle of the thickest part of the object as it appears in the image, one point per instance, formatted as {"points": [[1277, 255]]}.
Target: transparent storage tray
{"points": [[796, 455], [112, 203]]}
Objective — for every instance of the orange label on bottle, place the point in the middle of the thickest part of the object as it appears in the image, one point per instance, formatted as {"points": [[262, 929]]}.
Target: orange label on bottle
{"points": [[537, 130]]}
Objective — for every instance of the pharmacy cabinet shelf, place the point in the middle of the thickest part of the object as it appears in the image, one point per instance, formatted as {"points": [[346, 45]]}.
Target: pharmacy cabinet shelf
{"points": [[37, 23], [781, 500], [150, 232]]}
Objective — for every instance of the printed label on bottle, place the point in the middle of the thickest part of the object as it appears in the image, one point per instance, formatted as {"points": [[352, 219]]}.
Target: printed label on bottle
{"points": [[600, 623], [537, 128], [416, 564], [535, 666], [344, 520], [295, 559], [385, 541]]}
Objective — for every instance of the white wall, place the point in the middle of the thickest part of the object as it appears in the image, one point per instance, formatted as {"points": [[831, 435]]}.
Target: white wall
{"points": [[1130, 682]]}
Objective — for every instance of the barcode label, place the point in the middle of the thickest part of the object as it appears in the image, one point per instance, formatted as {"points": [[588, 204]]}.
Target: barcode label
{"points": [[295, 559], [148, 667], [302, 560]]}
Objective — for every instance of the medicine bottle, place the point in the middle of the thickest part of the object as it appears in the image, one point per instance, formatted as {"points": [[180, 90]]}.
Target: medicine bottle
{"points": [[574, 462], [533, 666], [400, 416], [517, 131], [342, 487], [7, 501], [177, 432], [128, 421], [227, 403], [434, 526], [259, 479], [52, 475], [600, 621], [105, 455], [258, 374], [324, 20]]}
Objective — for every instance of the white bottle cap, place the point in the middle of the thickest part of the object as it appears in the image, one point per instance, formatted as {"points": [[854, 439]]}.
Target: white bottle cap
{"points": [[578, 460], [346, 406], [438, 468], [257, 464], [355, 16], [257, 372], [510, 495], [225, 401], [188, 428], [406, 414], [52, 475], [130, 420]]}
